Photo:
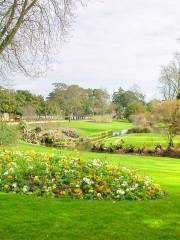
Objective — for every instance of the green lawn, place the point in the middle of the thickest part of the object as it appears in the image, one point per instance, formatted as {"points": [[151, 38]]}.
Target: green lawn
{"points": [[26, 217], [86, 128], [149, 140]]}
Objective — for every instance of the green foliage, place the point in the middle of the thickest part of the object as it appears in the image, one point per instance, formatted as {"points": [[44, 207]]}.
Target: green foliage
{"points": [[139, 130], [18, 102], [8, 103], [75, 101], [9, 134], [128, 102], [135, 108]]}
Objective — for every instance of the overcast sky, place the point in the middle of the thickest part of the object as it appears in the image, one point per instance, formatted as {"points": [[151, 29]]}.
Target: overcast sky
{"points": [[115, 43]]}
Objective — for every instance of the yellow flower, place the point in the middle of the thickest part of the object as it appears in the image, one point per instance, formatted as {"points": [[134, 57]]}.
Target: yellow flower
{"points": [[98, 178], [5, 156], [99, 195], [6, 186], [36, 179], [10, 177], [44, 187], [91, 190], [158, 187], [152, 191], [54, 186], [8, 165]]}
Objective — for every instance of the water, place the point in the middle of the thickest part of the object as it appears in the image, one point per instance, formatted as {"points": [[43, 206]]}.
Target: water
{"points": [[119, 133]]}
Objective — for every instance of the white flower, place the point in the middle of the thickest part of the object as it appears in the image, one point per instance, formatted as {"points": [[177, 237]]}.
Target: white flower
{"points": [[14, 185], [120, 191], [88, 181], [25, 189], [136, 185], [124, 184], [96, 163], [146, 183]]}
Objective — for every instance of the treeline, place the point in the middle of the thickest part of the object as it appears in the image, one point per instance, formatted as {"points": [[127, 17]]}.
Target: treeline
{"points": [[73, 102]]}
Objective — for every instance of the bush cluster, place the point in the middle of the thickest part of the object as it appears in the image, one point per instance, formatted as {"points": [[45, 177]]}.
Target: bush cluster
{"points": [[59, 176], [9, 134], [120, 148], [139, 130]]}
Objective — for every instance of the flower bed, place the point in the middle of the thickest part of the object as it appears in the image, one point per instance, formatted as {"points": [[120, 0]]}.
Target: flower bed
{"points": [[59, 176]]}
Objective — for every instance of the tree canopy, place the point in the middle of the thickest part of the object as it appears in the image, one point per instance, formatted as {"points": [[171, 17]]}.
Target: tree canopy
{"points": [[28, 31]]}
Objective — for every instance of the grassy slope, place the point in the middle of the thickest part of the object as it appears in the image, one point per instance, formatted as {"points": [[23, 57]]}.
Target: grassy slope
{"points": [[26, 218], [149, 140], [87, 128]]}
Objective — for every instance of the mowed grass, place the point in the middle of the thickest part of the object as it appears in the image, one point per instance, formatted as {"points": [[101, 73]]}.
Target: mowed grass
{"points": [[87, 128], [149, 140], [27, 217]]}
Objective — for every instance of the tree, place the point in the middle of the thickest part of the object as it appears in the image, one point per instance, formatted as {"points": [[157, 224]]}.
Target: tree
{"points": [[28, 31], [141, 121], [166, 116], [134, 108], [8, 103], [127, 102], [68, 97], [170, 79], [18, 102], [78, 102]]}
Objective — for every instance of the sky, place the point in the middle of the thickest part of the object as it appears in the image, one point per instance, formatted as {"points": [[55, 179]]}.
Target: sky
{"points": [[114, 43]]}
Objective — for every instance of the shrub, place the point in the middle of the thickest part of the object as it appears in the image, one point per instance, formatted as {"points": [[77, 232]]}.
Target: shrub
{"points": [[47, 139], [9, 134], [71, 133], [55, 175], [139, 130], [107, 118]]}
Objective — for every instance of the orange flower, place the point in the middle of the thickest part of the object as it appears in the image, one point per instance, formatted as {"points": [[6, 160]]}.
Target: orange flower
{"points": [[97, 178], [104, 182], [108, 190], [62, 193], [77, 190], [99, 188], [152, 191]]}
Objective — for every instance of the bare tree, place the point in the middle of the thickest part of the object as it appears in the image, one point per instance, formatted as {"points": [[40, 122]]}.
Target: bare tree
{"points": [[170, 79], [165, 116], [29, 29]]}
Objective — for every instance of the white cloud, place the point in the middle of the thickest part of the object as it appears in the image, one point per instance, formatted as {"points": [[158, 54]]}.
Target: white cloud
{"points": [[116, 43]]}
